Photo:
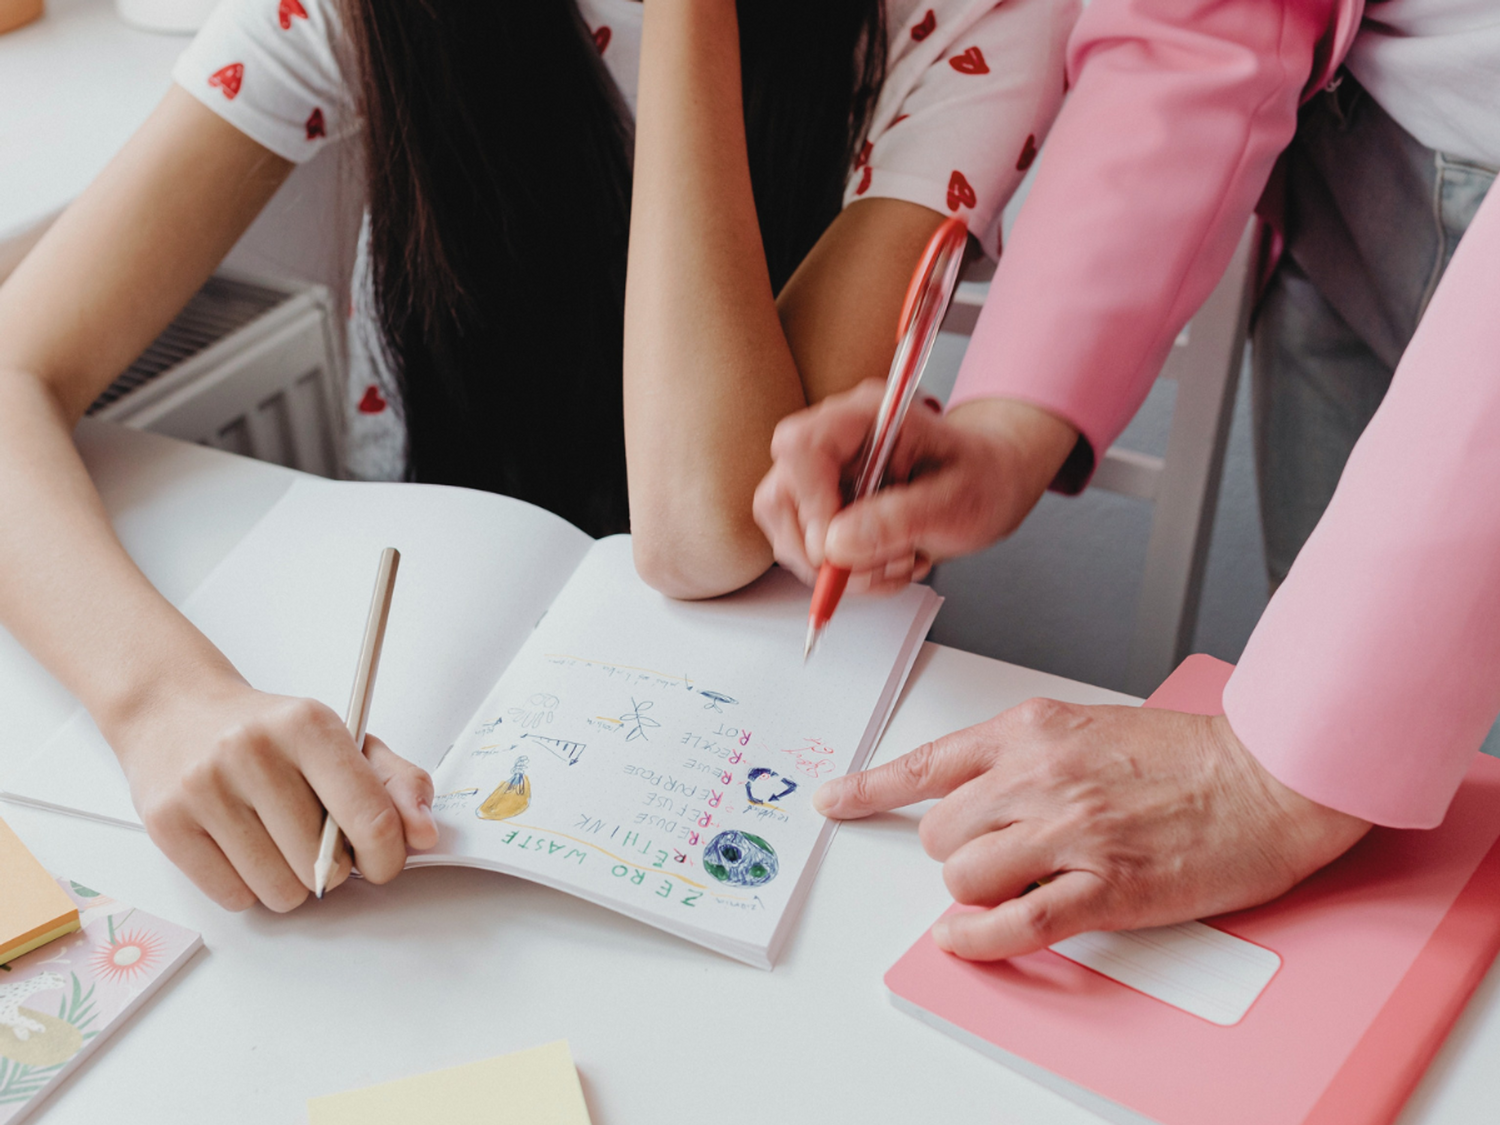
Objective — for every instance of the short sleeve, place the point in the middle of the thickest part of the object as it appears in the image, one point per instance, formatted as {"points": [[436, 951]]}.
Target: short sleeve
{"points": [[971, 90], [271, 69]]}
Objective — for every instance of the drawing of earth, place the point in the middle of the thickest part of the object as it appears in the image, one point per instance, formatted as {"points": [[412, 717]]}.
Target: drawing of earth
{"points": [[740, 859]]}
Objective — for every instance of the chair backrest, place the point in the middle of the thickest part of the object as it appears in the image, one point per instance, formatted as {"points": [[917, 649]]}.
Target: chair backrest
{"points": [[1183, 483]]}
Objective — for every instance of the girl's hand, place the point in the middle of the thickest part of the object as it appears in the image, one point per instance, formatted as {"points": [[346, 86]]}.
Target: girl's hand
{"points": [[232, 785]]}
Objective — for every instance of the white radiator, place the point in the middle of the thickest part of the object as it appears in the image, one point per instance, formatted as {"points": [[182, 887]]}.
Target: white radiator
{"points": [[250, 366]]}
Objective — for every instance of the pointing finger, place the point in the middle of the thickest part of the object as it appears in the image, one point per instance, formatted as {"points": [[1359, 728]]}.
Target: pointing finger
{"points": [[932, 770]]}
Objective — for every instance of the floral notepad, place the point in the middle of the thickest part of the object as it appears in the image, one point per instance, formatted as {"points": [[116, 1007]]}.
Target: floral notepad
{"points": [[59, 1002]]}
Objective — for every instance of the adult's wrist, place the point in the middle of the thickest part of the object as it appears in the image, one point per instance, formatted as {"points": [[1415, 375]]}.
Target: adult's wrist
{"points": [[1036, 442]]}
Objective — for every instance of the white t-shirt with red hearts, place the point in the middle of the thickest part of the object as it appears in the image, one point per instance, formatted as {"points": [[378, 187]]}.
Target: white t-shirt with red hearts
{"points": [[971, 88]]}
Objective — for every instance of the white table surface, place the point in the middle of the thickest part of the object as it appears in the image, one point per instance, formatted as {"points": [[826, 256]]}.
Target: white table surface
{"points": [[73, 87], [448, 966]]}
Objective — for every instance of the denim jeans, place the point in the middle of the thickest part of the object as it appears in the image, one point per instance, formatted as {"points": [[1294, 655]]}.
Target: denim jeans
{"points": [[1372, 220]]}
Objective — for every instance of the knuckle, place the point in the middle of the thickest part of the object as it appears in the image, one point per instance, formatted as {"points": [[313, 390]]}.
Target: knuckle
{"points": [[914, 770], [385, 848], [929, 832], [208, 777], [1035, 713], [1039, 921], [861, 791], [959, 877], [306, 716]]}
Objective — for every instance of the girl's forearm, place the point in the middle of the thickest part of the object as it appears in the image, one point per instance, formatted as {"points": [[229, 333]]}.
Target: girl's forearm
{"points": [[68, 591], [708, 372]]}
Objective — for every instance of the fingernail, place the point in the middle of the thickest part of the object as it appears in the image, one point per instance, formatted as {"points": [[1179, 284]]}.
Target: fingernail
{"points": [[940, 936]]}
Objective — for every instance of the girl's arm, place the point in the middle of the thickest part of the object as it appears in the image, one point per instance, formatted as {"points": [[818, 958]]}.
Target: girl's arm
{"points": [[230, 782], [712, 360]]}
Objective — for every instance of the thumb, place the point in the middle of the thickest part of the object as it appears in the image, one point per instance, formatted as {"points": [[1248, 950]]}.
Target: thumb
{"points": [[410, 788]]}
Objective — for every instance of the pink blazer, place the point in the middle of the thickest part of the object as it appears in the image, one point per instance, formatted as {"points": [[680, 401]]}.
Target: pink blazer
{"points": [[1375, 672]]}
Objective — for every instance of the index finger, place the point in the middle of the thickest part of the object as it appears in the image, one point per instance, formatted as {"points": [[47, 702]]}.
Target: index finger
{"points": [[934, 769]]}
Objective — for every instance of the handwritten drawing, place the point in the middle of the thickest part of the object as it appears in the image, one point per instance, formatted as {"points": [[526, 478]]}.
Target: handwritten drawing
{"points": [[812, 758], [715, 699], [740, 859], [561, 748], [637, 722], [632, 671], [540, 708], [487, 728], [511, 797], [764, 787], [445, 801]]}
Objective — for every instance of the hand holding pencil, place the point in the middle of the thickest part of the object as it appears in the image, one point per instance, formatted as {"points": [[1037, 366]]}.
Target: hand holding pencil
{"points": [[233, 783]]}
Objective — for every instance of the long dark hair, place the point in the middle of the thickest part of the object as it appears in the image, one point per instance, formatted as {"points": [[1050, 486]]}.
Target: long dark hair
{"points": [[498, 164]]}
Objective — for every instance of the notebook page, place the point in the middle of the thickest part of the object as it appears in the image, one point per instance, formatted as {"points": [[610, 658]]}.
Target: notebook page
{"points": [[288, 607], [660, 756]]}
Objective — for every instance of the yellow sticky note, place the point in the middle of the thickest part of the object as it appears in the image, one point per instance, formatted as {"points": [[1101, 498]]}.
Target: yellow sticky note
{"points": [[33, 908], [535, 1087]]}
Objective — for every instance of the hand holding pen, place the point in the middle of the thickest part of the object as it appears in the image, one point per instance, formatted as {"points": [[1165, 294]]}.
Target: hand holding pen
{"points": [[916, 331], [948, 485]]}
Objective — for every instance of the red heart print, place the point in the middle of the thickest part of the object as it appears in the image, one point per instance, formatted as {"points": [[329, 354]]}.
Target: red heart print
{"points": [[602, 37], [959, 192], [372, 402], [1028, 153], [289, 10], [864, 155], [864, 181], [228, 79], [315, 127], [926, 27], [970, 62]]}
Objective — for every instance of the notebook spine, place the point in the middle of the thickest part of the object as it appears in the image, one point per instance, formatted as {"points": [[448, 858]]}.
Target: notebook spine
{"points": [[1385, 1066]]}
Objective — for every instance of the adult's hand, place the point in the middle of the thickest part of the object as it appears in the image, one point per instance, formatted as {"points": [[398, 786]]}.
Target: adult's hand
{"points": [[955, 484], [231, 784], [1128, 816]]}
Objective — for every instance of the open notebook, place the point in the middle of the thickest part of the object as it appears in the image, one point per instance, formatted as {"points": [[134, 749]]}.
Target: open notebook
{"points": [[654, 756]]}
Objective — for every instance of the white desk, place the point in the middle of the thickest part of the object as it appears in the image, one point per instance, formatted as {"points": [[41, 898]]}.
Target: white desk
{"points": [[73, 87], [447, 966]]}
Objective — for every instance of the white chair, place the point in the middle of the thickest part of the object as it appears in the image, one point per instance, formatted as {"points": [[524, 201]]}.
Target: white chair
{"points": [[1182, 485]]}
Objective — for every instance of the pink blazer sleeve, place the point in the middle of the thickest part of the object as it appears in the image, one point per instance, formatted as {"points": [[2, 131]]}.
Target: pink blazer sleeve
{"points": [[1375, 672], [1177, 113]]}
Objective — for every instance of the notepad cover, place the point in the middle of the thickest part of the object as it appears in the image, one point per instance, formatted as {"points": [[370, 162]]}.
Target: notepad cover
{"points": [[1380, 950], [60, 1003]]}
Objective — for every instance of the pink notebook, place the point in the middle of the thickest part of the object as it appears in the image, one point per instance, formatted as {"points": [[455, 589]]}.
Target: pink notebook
{"points": [[1331, 1003]]}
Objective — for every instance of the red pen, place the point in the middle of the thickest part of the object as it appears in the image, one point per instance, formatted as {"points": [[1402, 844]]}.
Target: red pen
{"points": [[922, 314]]}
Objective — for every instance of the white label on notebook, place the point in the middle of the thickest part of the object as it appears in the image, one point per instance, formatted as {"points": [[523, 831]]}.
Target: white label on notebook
{"points": [[1203, 971]]}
